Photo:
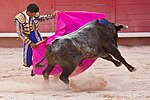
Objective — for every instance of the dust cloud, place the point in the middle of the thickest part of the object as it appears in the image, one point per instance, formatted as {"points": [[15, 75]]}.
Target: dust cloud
{"points": [[84, 82]]}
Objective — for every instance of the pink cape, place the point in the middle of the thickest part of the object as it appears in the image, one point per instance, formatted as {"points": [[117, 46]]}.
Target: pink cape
{"points": [[66, 22]]}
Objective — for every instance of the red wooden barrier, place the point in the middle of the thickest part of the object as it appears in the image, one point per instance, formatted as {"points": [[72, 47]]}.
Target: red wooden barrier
{"points": [[135, 13]]}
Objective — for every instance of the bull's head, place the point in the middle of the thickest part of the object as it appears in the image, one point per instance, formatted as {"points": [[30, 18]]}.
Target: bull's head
{"points": [[117, 27], [120, 26], [114, 28]]}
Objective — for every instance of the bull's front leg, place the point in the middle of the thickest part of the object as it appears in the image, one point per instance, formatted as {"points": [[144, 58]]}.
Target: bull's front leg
{"points": [[110, 58], [115, 52]]}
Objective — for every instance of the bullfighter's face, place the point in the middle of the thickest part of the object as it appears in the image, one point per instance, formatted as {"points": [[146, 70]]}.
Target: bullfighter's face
{"points": [[31, 14]]}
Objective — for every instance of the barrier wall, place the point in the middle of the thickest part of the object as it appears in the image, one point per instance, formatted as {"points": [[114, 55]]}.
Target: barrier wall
{"points": [[135, 13]]}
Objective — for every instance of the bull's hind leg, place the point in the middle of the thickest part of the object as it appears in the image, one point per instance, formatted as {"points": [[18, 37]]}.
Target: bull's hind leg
{"points": [[47, 71], [109, 58], [115, 52], [67, 71]]}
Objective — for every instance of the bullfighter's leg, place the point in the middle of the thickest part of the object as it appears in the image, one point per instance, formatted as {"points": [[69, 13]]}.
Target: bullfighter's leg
{"points": [[115, 52], [47, 71], [67, 71], [110, 58]]}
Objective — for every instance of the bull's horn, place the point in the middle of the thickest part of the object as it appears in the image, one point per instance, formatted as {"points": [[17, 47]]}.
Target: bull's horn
{"points": [[125, 27]]}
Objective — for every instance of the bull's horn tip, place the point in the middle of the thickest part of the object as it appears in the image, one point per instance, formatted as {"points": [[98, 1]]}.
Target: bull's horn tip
{"points": [[126, 26]]}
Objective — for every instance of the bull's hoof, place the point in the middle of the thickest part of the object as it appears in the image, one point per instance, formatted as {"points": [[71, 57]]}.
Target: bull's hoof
{"points": [[32, 74], [65, 80], [132, 69]]}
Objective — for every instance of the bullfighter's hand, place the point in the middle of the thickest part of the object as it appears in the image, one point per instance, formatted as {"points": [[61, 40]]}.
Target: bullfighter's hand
{"points": [[54, 14], [42, 19], [33, 45]]}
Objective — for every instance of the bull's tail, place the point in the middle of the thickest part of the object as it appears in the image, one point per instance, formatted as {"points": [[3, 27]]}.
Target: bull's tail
{"points": [[39, 63]]}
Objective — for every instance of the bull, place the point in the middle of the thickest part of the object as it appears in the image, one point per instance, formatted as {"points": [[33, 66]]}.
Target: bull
{"points": [[95, 39]]}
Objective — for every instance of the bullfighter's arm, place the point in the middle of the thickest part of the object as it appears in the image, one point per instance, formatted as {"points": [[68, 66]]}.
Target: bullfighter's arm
{"points": [[21, 35], [45, 17]]}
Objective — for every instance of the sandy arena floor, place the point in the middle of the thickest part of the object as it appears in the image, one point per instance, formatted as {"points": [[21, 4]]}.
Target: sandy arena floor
{"points": [[102, 81]]}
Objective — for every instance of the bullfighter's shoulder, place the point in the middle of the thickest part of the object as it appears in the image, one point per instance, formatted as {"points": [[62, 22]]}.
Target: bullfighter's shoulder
{"points": [[20, 18]]}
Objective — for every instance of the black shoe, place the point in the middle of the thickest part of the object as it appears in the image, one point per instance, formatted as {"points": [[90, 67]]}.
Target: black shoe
{"points": [[25, 65], [32, 73]]}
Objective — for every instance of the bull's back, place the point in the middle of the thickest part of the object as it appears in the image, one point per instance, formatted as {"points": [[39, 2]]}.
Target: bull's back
{"points": [[88, 34]]}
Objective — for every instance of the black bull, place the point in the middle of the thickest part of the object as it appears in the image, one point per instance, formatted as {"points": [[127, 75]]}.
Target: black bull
{"points": [[92, 40]]}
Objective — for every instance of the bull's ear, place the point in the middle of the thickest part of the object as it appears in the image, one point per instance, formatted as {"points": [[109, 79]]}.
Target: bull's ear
{"points": [[119, 27]]}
